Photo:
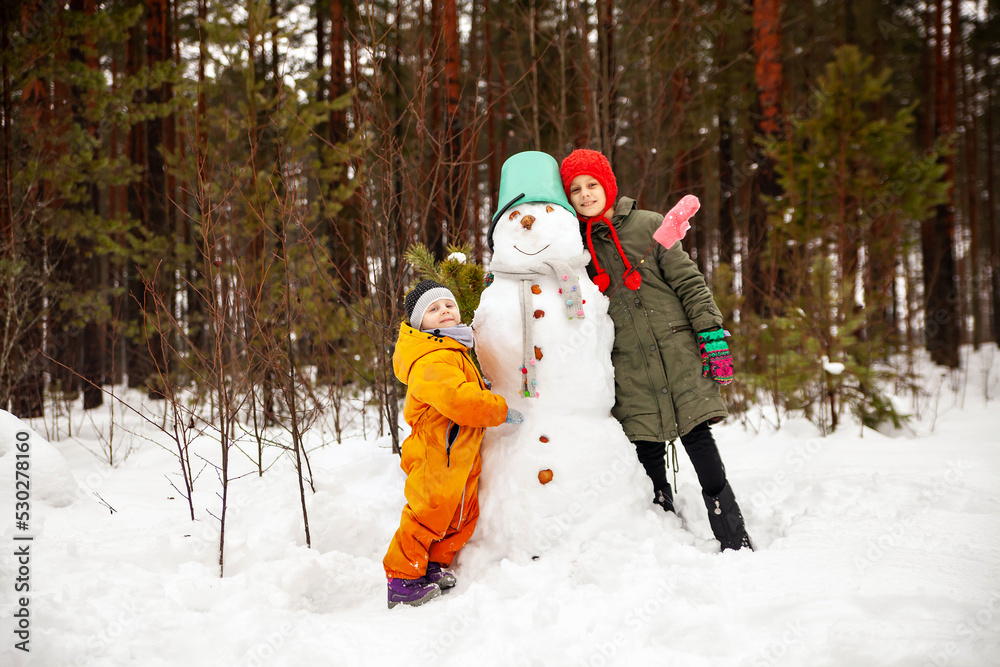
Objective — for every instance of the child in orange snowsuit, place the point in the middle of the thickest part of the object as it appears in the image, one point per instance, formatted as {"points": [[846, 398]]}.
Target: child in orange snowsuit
{"points": [[448, 407]]}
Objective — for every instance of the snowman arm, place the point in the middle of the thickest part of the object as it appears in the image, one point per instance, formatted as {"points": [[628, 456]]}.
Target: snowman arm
{"points": [[443, 385], [681, 273]]}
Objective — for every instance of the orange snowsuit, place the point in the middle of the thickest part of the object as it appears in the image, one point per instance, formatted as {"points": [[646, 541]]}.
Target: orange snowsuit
{"points": [[448, 406]]}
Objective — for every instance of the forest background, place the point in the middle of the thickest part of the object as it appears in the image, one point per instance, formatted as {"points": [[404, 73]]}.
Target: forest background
{"points": [[222, 203]]}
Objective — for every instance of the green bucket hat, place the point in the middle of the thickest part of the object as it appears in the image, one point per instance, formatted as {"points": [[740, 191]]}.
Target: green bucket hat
{"points": [[528, 177]]}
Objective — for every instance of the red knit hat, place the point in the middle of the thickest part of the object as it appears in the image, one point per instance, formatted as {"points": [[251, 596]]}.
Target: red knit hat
{"points": [[591, 163]]}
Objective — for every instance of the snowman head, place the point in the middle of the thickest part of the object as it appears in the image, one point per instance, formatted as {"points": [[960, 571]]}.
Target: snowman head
{"points": [[528, 234], [535, 222]]}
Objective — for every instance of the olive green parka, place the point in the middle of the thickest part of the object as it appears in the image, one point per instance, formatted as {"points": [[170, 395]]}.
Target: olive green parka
{"points": [[660, 393]]}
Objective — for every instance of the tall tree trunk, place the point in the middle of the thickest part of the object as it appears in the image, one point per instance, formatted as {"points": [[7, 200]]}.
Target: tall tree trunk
{"points": [[322, 18], [473, 232], [606, 53], [455, 184], [434, 233], [991, 203], [63, 251], [117, 210], [769, 78], [941, 326], [157, 292], [727, 192], [589, 127], [536, 112], [9, 329], [176, 215], [727, 189], [493, 161], [94, 335], [137, 359], [679, 98], [197, 271], [972, 138], [361, 252], [7, 177], [958, 213], [27, 399], [561, 30], [343, 240]]}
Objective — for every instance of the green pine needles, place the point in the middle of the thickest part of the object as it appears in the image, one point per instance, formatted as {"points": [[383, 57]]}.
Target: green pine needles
{"points": [[463, 276], [855, 189]]}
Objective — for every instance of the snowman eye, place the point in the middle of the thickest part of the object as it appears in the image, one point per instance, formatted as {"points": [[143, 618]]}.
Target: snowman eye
{"points": [[513, 215], [548, 209]]}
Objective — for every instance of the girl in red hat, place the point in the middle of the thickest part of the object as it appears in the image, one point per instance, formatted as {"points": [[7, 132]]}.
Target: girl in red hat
{"points": [[670, 354]]}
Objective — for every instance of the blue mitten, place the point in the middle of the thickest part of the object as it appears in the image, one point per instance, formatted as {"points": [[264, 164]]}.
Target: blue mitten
{"points": [[514, 417]]}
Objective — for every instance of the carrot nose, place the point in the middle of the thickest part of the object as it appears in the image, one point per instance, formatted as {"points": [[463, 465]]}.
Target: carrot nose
{"points": [[527, 221]]}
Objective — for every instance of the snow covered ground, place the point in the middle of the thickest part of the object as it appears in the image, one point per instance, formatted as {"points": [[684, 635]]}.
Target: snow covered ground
{"points": [[873, 549]]}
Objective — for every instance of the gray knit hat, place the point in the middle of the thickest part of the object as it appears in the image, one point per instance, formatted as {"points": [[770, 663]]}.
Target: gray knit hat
{"points": [[420, 297]]}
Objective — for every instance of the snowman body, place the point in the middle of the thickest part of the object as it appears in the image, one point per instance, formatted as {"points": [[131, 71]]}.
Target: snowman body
{"points": [[568, 474]]}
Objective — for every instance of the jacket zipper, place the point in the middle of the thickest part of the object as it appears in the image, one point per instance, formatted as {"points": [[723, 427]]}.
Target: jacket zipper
{"points": [[452, 427], [461, 515]]}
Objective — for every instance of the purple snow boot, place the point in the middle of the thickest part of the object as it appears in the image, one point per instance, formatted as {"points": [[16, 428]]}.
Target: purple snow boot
{"points": [[412, 592], [437, 574]]}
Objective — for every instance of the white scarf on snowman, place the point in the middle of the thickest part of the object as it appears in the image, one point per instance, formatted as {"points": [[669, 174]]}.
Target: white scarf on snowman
{"points": [[566, 272]]}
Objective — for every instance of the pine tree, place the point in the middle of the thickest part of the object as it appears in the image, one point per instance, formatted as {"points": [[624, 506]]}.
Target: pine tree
{"points": [[465, 278], [852, 181]]}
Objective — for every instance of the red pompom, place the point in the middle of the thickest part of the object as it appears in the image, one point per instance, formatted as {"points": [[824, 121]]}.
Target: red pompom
{"points": [[633, 280], [603, 281]]}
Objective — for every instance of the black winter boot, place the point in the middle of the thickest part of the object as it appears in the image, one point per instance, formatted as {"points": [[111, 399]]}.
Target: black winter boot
{"points": [[726, 520], [664, 497]]}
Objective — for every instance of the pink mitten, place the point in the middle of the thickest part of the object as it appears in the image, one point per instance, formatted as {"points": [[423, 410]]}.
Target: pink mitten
{"points": [[675, 223]]}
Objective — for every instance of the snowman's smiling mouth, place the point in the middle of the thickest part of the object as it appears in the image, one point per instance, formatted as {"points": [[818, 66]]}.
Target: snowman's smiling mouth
{"points": [[530, 254]]}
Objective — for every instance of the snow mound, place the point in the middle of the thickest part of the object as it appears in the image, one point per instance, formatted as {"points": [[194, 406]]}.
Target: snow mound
{"points": [[50, 477]]}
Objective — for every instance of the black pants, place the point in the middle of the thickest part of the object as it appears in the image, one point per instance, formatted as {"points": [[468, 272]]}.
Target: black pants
{"points": [[701, 449]]}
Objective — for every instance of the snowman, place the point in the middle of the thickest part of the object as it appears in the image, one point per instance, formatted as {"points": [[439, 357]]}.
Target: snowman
{"points": [[568, 474]]}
